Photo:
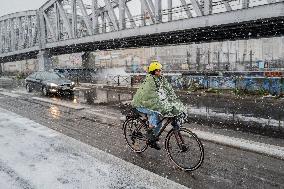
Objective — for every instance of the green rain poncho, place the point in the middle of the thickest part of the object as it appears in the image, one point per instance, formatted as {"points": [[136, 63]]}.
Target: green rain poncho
{"points": [[157, 94]]}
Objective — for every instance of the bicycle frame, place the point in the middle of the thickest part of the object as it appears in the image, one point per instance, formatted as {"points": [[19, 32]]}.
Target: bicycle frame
{"points": [[169, 120], [146, 123]]}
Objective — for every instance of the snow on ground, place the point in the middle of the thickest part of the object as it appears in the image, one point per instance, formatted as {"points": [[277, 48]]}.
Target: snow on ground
{"points": [[34, 156]]}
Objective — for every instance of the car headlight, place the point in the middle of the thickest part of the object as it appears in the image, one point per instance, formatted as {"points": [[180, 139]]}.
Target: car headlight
{"points": [[53, 85]]}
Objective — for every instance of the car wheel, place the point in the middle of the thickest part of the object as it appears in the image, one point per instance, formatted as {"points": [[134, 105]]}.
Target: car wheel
{"points": [[44, 91], [29, 88]]}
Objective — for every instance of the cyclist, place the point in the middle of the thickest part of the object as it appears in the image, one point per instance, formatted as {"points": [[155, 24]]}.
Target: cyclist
{"points": [[156, 97]]}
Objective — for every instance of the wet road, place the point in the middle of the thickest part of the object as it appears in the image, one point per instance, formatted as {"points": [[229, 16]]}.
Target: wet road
{"points": [[224, 167]]}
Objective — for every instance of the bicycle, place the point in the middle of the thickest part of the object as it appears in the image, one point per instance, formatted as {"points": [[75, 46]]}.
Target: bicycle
{"points": [[178, 141]]}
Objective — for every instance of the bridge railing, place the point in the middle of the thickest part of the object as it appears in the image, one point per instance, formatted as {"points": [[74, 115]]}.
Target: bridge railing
{"points": [[18, 31]]}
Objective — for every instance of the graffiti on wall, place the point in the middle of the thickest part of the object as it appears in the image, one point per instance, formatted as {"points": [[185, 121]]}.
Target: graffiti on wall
{"points": [[222, 82], [272, 85]]}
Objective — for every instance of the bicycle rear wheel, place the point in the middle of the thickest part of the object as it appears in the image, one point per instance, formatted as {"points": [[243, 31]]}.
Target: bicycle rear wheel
{"points": [[184, 149], [135, 135]]}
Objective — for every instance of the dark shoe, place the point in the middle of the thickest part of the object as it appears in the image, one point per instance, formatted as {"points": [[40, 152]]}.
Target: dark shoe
{"points": [[155, 145], [151, 136], [152, 140]]}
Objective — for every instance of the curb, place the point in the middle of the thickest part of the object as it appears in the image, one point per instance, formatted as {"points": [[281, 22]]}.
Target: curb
{"points": [[257, 147]]}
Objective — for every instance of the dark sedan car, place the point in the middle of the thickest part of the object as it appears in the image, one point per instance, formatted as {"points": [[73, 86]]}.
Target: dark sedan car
{"points": [[49, 82]]}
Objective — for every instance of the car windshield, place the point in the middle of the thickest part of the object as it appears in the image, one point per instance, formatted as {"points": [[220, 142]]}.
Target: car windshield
{"points": [[52, 76]]}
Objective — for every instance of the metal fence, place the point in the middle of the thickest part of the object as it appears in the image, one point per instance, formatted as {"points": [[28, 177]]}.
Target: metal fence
{"points": [[271, 85], [119, 80]]}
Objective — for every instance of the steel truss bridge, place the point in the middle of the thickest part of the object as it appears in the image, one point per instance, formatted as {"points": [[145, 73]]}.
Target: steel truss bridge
{"points": [[69, 26]]}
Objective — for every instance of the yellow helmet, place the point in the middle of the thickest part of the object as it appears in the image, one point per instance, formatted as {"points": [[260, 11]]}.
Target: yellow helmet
{"points": [[155, 65]]}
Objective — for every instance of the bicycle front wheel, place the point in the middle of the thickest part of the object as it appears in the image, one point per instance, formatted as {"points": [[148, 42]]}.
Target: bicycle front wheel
{"points": [[184, 149]]}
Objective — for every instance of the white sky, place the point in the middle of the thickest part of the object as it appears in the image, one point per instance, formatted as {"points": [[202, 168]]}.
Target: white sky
{"points": [[12, 6]]}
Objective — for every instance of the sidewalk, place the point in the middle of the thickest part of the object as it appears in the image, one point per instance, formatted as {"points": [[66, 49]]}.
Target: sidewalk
{"points": [[33, 156]]}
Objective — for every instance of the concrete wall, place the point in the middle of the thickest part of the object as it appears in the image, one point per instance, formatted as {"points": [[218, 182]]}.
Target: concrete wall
{"points": [[25, 66]]}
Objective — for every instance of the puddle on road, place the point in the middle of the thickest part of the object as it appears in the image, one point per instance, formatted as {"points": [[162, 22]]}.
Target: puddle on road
{"points": [[93, 97], [54, 112], [101, 96]]}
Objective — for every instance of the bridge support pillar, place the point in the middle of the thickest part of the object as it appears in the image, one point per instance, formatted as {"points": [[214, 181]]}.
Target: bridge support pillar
{"points": [[88, 60], [44, 61], [85, 60], [1, 69]]}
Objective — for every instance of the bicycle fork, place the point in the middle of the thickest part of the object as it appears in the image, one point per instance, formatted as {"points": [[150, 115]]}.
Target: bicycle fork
{"points": [[180, 141]]}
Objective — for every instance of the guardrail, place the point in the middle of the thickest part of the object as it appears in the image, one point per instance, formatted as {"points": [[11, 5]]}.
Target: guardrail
{"points": [[119, 80]]}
